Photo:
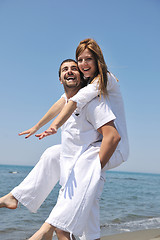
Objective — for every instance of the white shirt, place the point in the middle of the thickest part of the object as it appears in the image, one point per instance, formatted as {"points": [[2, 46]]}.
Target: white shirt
{"points": [[80, 132], [80, 168]]}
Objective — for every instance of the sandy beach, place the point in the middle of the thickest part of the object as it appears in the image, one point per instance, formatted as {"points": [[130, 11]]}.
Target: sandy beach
{"points": [[149, 234]]}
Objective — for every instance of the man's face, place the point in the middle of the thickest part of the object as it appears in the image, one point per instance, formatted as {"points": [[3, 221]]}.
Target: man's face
{"points": [[70, 75]]}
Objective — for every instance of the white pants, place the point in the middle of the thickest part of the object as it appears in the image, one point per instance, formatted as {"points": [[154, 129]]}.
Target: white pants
{"points": [[35, 188], [92, 229], [41, 180]]}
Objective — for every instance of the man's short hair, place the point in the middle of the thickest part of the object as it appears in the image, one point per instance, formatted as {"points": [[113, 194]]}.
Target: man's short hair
{"points": [[66, 60]]}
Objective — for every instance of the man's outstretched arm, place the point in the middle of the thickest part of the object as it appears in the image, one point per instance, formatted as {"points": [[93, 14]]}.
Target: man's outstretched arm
{"points": [[52, 112]]}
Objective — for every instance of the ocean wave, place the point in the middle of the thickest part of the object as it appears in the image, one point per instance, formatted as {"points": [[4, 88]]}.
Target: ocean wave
{"points": [[124, 178], [117, 226], [134, 217], [8, 230]]}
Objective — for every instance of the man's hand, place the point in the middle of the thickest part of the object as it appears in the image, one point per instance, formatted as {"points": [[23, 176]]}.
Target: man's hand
{"points": [[48, 132], [30, 131]]}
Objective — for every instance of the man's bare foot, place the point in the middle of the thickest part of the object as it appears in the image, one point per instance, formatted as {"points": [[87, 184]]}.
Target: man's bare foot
{"points": [[8, 201], [44, 233]]}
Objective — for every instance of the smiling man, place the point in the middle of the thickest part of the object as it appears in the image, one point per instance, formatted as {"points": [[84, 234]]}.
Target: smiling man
{"points": [[89, 139]]}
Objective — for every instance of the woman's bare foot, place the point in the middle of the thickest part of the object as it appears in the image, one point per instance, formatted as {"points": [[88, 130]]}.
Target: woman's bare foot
{"points": [[8, 201], [44, 233]]}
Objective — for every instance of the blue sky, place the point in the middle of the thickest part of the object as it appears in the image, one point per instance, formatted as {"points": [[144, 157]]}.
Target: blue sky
{"points": [[36, 35]]}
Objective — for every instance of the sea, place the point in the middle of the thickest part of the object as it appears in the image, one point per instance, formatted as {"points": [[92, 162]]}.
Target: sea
{"points": [[130, 202]]}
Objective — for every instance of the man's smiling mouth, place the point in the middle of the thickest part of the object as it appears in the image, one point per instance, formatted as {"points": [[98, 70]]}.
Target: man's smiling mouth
{"points": [[70, 79]]}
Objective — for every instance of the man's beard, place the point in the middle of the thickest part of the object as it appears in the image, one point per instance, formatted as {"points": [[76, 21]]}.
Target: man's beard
{"points": [[71, 85]]}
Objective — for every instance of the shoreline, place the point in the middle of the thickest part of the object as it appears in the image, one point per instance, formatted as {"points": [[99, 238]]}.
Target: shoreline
{"points": [[148, 234]]}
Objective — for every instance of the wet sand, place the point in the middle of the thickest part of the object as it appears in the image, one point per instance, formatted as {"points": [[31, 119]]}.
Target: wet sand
{"points": [[149, 234]]}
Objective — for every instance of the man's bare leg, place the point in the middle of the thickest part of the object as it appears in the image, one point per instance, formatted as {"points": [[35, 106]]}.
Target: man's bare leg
{"points": [[44, 233], [8, 201], [63, 235]]}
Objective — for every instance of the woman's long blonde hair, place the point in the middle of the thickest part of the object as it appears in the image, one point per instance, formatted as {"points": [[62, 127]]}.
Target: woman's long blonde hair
{"points": [[92, 45]]}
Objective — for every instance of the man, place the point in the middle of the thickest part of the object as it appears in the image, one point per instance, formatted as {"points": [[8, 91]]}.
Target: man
{"points": [[81, 159], [80, 156]]}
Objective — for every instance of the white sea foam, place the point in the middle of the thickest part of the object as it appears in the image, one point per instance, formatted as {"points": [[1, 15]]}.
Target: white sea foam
{"points": [[114, 228], [146, 223]]}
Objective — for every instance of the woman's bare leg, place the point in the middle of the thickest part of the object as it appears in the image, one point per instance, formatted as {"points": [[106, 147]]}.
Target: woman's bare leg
{"points": [[8, 201]]}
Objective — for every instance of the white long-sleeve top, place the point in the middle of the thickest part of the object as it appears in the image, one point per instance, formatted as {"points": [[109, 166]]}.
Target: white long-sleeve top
{"points": [[114, 96]]}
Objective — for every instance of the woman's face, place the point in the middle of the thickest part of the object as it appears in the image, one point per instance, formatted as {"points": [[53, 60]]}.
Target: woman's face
{"points": [[87, 63]]}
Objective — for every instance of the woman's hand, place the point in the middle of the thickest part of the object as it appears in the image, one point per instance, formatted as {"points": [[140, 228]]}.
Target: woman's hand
{"points": [[50, 131]]}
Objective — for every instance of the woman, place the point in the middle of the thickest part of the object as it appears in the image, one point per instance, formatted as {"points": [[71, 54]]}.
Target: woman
{"points": [[100, 82], [91, 63]]}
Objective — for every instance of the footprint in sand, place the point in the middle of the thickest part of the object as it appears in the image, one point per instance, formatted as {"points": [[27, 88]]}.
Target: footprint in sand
{"points": [[156, 238]]}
